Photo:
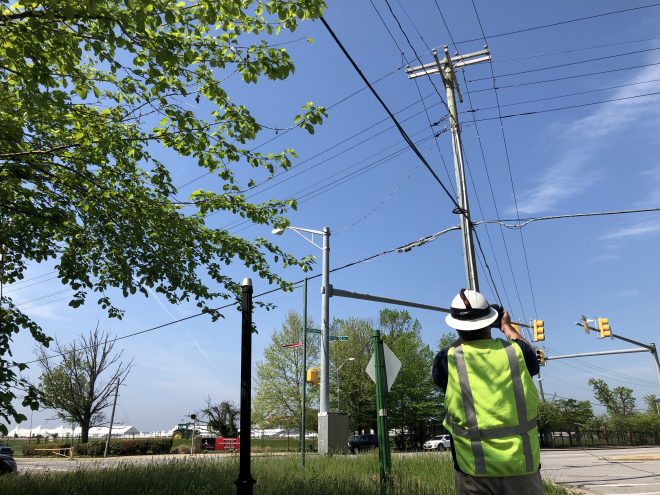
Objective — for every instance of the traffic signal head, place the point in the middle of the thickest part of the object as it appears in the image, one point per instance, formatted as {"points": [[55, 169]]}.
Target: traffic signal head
{"points": [[313, 376], [604, 327], [539, 330], [540, 355], [585, 325], [515, 327]]}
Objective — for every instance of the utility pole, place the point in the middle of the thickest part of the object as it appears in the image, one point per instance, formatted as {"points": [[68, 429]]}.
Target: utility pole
{"points": [[112, 420], [540, 380], [446, 69]]}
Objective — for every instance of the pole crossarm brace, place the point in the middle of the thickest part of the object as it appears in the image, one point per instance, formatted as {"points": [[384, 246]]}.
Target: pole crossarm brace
{"points": [[397, 302], [387, 300], [648, 347], [457, 62], [600, 353]]}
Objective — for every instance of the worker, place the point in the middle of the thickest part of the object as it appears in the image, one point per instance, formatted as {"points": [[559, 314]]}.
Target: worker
{"points": [[491, 401]]}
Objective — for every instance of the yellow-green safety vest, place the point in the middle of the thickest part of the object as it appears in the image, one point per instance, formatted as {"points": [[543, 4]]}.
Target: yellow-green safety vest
{"points": [[492, 405]]}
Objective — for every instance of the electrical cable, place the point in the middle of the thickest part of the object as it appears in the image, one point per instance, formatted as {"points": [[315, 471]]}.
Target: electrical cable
{"points": [[567, 64], [11, 288], [389, 112], [320, 189], [557, 97], [426, 110], [565, 78], [508, 161], [476, 236], [523, 222], [573, 50], [560, 23], [568, 107], [388, 29]]}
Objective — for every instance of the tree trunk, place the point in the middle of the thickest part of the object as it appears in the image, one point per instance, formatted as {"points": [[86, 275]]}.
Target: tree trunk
{"points": [[84, 432]]}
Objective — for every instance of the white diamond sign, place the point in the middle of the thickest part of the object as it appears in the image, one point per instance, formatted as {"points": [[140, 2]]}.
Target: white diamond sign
{"points": [[392, 366]]}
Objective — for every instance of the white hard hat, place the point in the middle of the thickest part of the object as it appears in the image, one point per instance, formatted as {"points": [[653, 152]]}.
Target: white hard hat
{"points": [[470, 311]]}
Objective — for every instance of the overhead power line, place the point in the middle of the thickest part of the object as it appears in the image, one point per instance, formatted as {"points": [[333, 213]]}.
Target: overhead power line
{"points": [[567, 64], [524, 222], [574, 50], [557, 97], [568, 107], [565, 78], [396, 122], [560, 23]]}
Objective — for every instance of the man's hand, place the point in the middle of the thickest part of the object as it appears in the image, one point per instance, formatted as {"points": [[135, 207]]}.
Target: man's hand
{"points": [[506, 320], [509, 331]]}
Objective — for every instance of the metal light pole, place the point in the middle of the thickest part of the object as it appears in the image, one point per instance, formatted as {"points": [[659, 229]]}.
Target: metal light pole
{"points": [[337, 372], [304, 379], [324, 398]]}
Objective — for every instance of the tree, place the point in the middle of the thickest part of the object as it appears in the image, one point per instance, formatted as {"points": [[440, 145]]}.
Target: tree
{"points": [[278, 387], [619, 401], [446, 340], [651, 402], [92, 96], [414, 405], [222, 418], [80, 386], [356, 390]]}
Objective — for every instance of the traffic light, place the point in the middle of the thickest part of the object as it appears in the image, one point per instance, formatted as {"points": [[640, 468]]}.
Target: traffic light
{"points": [[516, 327], [540, 355], [313, 376], [539, 331], [604, 327], [585, 325]]}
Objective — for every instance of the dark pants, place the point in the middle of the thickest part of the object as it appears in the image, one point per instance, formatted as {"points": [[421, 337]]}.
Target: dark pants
{"points": [[529, 484]]}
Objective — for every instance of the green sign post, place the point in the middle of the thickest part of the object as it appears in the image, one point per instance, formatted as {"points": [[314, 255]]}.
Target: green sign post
{"points": [[384, 456]]}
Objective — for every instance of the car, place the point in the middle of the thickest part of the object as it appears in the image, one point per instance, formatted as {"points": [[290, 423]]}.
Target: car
{"points": [[7, 464], [358, 443], [6, 450], [439, 443]]}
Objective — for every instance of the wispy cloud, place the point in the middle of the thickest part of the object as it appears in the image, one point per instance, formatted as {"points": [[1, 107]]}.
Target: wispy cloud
{"points": [[190, 337], [573, 170], [637, 230]]}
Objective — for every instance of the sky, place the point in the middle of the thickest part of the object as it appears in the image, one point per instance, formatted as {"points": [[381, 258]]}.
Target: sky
{"points": [[356, 176]]}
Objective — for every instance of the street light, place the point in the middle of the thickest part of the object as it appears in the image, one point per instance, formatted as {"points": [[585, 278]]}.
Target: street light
{"points": [[324, 392], [339, 368], [325, 307]]}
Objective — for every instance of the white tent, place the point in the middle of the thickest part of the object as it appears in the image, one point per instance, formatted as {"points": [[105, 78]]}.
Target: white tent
{"points": [[118, 431]]}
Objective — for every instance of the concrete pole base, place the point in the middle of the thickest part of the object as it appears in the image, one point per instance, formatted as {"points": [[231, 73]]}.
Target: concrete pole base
{"points": [[333, 433]]}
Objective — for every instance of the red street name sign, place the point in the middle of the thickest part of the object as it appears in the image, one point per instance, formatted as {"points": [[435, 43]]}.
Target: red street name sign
{"points": [[291, 346]]}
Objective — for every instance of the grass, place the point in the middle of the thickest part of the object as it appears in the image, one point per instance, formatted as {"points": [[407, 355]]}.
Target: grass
{"points": [[424, 474]]}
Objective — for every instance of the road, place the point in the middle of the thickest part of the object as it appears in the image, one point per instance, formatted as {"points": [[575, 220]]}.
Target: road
{"points": [[605, 471]]}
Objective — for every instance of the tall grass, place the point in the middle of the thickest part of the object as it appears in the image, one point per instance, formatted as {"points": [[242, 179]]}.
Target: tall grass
{"points": [[340, 475]]}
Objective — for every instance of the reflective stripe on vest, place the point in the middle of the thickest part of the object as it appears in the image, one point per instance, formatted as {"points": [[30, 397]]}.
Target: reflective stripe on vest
{"points": [[473, 433]]}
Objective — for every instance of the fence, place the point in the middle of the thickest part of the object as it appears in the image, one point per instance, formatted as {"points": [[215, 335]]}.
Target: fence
{"points": [[602, 438]]}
